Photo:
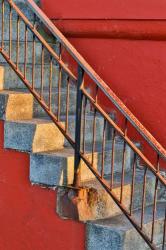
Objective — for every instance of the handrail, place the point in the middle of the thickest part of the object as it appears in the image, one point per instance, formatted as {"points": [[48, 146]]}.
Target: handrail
{"points": [[84, 101], [96, 78]]}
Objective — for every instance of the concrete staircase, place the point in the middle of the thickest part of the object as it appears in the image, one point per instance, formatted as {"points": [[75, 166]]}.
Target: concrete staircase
{"points": [[27, 128]]}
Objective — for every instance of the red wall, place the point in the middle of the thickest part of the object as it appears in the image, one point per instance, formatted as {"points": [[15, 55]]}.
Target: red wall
{"points": [[105, 9], [134, 69], [27, 213]]}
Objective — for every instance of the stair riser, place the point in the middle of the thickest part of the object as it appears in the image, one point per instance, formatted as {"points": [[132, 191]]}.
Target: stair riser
{"points": [[21, 57], [39, 167], [39, 112], [6, 74], [16, 106], [31, 137], [22, 6], [99, 205], [106, 238], [89, 130]]}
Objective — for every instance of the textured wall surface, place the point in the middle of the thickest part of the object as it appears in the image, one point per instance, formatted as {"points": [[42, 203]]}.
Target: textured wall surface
{"points": [[27, 213]]}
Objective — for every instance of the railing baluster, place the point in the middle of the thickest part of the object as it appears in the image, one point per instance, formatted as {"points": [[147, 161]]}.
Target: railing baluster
{"points": [[59, 93], [81, 106], [113, 158], [67, 104], [42, 73], [154, 210], [2, 29], [18, 42], [123, 163], [33, 62], [77, 159], [143, 198], [103, 149], [25, 50], [93, 136], [84, 122], [50, 84], [133, 183], [10, 31], [155, 199], [94, 127], [59, 85]]}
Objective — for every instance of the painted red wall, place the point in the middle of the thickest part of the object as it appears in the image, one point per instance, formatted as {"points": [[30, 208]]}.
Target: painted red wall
{"points": [[134, 69], [27, 213], [95, 9]]}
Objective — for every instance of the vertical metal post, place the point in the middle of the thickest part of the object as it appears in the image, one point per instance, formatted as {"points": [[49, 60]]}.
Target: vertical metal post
{"points": [[77, 158]]}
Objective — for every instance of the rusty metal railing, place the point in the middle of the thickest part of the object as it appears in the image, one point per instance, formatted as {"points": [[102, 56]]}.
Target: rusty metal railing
{"points": [[97, 149]]}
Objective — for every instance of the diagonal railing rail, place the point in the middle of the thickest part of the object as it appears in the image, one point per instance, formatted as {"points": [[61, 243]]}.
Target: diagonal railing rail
{"points": [[90, 87]]}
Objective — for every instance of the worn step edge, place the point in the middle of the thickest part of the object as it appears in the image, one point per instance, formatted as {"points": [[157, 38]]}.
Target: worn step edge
{"points": [[15, 105], [33, 135], [117, 233], [93, 202]]}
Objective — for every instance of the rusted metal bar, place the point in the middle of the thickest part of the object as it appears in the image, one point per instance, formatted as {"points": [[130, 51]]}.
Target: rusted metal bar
{"points": [[41, 39], [154, 210], [103, 149], [33, 61], [82, 94], [10, 31], [84, 123], [133, 183], [121, 205], [143, 198], [59, 93], [77, 159], [37, 97], [94, 136], [67, 104], [25, 51], [42, 73], [2, 24], [50, 84], [151, 167], [18, 42], [103, 86], [113, 158]]}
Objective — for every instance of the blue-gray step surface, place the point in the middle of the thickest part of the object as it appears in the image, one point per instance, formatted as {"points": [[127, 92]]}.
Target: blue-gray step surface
{"points": [[118, 234]]}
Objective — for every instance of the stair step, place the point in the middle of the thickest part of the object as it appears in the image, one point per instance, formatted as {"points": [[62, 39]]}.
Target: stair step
{"points": [[63, 162], [22, 6], [24, 106], [39, 111], [10, 80], [117, 233], [98, 204], [34, 135], [38, 49], [15, 105]]}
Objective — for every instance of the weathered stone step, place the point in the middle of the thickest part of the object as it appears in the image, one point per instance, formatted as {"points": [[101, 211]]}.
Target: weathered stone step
{"points": [[96, 203], [21, 57], [20, 104], [117, 233], [63, 162], [22, 6], [34, 135], [39, 111], [10, 80], [15, 105]]}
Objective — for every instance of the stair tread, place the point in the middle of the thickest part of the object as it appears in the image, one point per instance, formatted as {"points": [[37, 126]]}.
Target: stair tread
{"points": [[120, 222], [32, 121]]}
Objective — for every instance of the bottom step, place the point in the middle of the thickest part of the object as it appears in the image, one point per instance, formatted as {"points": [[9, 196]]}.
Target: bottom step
{"points": [[118, 234]]}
